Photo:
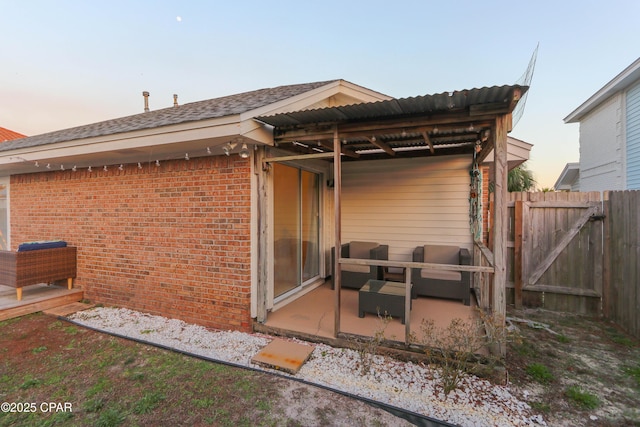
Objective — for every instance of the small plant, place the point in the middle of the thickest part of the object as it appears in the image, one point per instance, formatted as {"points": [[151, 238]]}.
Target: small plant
{"points": [[110, 418], [633, 372], [541, 407], [30, 382], [539, 373], [148, 403], [93, 405], [38, 350], [450, 348], [455, 347], [563, 339], [367, 348], [582, 398]]}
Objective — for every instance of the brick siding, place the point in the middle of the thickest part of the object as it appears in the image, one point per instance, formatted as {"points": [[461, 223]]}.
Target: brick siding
{"points": [[172, 240]]}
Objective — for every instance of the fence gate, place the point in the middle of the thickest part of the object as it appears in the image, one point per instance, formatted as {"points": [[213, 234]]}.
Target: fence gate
{"points": [[557, 250]]}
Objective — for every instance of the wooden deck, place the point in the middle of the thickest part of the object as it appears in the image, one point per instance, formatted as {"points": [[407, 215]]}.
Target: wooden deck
{"points": [[35, 298], [313, 315]]}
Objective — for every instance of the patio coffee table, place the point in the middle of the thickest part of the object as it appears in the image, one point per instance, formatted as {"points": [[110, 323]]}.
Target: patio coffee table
{"points": [[385, 298]]}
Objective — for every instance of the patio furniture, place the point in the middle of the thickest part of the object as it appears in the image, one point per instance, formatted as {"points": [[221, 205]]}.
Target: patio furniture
{"points": [[353, 275], [442, 283], [382, 298], [33, 266]]}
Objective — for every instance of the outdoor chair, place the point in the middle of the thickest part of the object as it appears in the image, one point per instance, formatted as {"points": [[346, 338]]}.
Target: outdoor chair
{"points": [[442, 283], [36, 263], [354, 276]]}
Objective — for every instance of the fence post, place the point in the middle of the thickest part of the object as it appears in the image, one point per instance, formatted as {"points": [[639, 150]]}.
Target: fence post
{"points": [[517, 259], [606, 256]]}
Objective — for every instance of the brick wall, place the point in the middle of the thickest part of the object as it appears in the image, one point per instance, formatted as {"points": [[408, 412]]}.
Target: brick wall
{"points": [[172, 239]]}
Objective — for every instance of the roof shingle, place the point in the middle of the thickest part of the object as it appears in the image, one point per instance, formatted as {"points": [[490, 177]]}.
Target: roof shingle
{"points": [[195, 111]]}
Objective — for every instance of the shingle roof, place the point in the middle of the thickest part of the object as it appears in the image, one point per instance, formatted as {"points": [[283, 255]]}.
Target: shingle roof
{"points": [[195, 111], [8, 135]]}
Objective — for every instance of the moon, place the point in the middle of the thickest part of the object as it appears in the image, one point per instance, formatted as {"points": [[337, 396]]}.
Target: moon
{"points": [[179, 18]]}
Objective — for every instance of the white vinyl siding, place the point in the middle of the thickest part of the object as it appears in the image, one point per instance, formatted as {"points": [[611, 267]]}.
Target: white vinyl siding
{"points": [[405, 203], [633, 137], [601, 147]]}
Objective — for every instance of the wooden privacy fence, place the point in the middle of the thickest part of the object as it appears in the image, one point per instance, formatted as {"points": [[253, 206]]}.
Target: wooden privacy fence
{"points": [[621, 299], [576, 252]]}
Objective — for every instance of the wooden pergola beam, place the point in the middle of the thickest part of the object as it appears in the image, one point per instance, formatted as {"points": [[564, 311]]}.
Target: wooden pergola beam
{"points": [[427, 140], [381, 145], [342, 150]]}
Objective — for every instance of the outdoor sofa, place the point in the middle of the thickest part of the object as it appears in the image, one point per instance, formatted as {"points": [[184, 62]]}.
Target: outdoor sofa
{"points": [[442, 283], [354, 276], [39, 262]]}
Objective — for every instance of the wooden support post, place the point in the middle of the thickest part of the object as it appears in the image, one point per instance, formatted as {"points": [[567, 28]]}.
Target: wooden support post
{"points": [[500, 221], [407, 305], [19, 294], [261, 171], [70, 283], [517, 257], [337, 190]]}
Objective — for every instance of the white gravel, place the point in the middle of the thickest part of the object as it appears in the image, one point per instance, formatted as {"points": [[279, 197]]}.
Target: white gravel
{"points": [[407, 385]]}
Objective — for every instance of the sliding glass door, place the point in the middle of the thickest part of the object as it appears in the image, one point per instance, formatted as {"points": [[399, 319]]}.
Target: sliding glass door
{"points": [[296, 228]]}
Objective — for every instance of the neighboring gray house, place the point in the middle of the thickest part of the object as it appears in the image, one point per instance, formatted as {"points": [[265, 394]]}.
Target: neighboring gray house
{"points": [[610, 135], [569, 179]]}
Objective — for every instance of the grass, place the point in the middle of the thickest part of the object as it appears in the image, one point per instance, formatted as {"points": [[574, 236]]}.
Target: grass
{"points": [[112, 382], [540, 373], [582, 398], [634, 373]]}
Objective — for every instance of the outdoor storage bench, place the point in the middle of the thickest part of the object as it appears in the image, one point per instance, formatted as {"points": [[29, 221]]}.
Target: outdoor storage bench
{"points": [[442, 283], [31, 265]]}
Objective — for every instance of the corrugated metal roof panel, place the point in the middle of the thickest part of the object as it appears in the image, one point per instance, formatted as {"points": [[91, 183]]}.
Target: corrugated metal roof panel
{"points": [[427, 104]]}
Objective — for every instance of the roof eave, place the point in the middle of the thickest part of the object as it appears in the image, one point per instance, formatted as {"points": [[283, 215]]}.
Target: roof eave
{"points": [[623, 80]]}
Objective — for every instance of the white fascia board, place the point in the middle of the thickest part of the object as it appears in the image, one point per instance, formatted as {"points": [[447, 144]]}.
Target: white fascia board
{"points": [[568, 176], [623, 80], [194, 131], [312, 97], [517, 151]]}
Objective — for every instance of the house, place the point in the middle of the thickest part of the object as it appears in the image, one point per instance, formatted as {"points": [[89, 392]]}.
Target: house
{"points": [[610, 134], [221, 211], [569, 179], [5, 135], [8, 135]]}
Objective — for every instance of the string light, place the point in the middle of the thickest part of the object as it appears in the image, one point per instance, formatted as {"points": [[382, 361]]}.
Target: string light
{"points": [[209, 151]]}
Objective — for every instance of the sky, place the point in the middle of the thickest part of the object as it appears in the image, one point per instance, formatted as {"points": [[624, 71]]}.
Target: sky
{"points": [[68, 63]]}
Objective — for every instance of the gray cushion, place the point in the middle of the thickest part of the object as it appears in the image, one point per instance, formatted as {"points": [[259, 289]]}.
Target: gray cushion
{"points": [[454, 276], [355, 268], [439, 254], [361, 250]]}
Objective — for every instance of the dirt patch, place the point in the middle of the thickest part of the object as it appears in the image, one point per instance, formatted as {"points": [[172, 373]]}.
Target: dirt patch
{"points": [[576, 371], [95, 379]]}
